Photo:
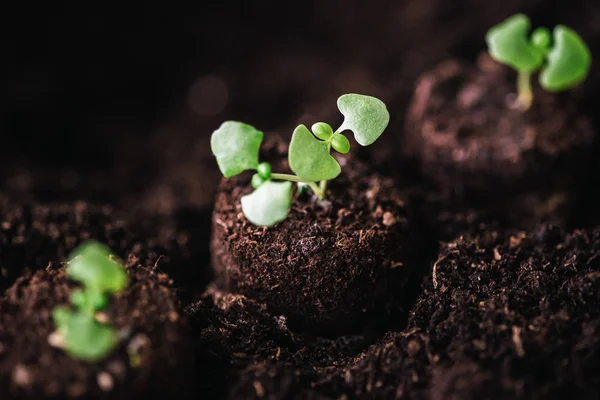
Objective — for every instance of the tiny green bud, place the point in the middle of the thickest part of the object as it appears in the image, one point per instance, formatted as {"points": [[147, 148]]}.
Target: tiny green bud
{"points": [[541, 38], [264, 170], [322, 130], [340, 143], [257, 180]]}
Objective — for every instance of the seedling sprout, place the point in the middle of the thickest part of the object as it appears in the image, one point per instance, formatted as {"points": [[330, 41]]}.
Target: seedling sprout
{"points": [[236, 147], [101, 274], [563, 58]]}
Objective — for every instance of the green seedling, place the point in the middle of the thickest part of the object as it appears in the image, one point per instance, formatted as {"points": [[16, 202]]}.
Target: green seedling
{"points": [[236, 147], [101, 274], [563, 58]]}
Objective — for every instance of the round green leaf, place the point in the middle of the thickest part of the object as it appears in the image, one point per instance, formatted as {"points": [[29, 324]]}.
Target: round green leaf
{"points": [[569, 61], [269, 204], [322, 130], [309, 157], [93, 265], [340, 143], [508, 44], [366, 116], [236, 146], [84, 337]]}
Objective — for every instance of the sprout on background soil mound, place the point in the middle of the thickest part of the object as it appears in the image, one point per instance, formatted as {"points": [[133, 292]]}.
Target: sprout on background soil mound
{"points": [[236, 146], [101, 274], [567, 58]]}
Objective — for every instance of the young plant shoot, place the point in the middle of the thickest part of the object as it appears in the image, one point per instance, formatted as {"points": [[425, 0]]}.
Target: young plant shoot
{"points": [[563, 58], [236, 147], [101, 274]]}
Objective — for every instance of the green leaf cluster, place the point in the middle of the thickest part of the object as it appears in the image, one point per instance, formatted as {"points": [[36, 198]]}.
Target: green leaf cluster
{"points": [[562, 57], [100, 274], [236, 147]]}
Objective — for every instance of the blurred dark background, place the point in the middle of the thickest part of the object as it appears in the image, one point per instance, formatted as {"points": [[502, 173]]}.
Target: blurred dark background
{"points": [[100, 101]]}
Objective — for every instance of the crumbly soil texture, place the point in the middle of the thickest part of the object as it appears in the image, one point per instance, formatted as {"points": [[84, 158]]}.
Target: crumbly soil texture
{"points": [[470, 140], [330, 267], [462, 279]]}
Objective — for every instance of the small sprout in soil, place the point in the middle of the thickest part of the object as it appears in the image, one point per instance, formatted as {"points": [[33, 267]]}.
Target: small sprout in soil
{"points": [[101, 274], [236, 146], [563, 57]]}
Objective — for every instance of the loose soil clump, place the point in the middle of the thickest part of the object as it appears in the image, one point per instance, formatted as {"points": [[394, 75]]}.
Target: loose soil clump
{"points": [[469, 140], [330, 265]]}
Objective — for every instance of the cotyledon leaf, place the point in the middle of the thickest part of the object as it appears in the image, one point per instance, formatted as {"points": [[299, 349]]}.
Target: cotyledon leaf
{"points": [[269, 204], [366, 116], [569, 61], [508, 43], [236, 146], [309, 157]]}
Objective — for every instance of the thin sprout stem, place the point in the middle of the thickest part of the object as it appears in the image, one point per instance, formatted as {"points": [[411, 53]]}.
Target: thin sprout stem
{"points": [[320, 194], [524, 90], [323, 186], [288, 177]]}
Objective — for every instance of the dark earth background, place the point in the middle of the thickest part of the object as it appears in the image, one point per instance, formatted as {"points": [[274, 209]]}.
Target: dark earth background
{"points": [[116, 105]]}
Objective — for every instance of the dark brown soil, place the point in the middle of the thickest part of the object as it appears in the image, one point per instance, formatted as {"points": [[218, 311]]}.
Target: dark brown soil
{"points": [[88, 126], [468, 141], [330, 266], [147, 311], [503, 316]]}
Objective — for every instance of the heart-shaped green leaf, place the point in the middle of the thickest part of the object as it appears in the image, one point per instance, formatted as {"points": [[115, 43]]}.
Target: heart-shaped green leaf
{"points": [[569, 61], [269, 204], [309, 157], [366, 116], [94, 266], [84, 337], [508, 43], [236, 146]]}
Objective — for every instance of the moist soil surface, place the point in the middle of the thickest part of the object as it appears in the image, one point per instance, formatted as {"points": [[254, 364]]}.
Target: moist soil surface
{"points": [[507, 314], [152, 358], [472, 142], [503, 315], [330, 266]]}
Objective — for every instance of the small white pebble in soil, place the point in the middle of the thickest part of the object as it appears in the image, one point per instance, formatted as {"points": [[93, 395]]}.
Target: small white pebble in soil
{"points": [[105, 381], [282, 322], [21, 375], [388, 219], [102, 318], [55, 339]]}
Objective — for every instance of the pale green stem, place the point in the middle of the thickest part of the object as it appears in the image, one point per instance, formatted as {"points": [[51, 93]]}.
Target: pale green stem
{"points": [[323, 186], [287, 177], [524, 90]]}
